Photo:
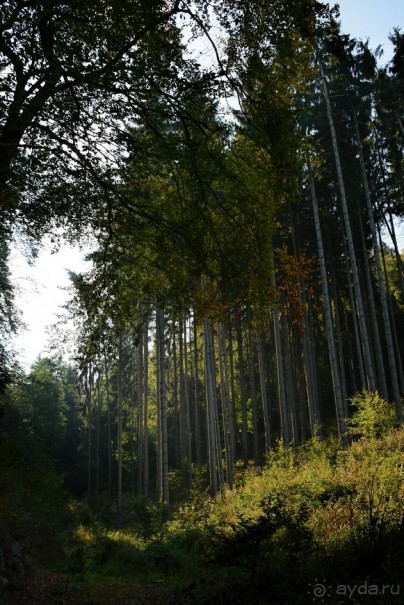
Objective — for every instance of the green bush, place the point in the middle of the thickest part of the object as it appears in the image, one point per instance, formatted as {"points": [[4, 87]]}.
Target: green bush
{"points": [[320, 510], [373, 417]]}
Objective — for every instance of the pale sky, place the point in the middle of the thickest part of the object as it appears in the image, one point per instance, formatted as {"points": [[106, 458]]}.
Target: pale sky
{"points": [[40, 288], [40, 294], [373, 19]]}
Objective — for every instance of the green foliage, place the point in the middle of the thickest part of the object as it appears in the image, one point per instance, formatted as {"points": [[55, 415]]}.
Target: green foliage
{"points": [[33, 501], [33, 496], [77, 59], [373, 416], [199, 223], [95, 548], [316, 511]]}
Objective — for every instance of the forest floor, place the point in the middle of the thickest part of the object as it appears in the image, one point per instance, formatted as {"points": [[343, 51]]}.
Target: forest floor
{"points": [[51, 588]]}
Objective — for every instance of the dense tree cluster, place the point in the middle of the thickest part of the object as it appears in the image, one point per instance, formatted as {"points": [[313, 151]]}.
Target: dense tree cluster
{"points": [[240, 291]]}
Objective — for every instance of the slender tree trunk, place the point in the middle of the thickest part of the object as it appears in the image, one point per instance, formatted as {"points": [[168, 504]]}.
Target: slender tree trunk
{"points": [[243, 394], [119, 419], [290, 391], [380, 282], [97, 440], [332, 350], [140, 414], [232, 395], [370, 375], [218, 437], [338, 333], [196, 397], [283, 410], [162, 406], [177, 412], [225, 400], [183, 420], [399, 367], [304, 371], [354, 316], [187, 407], [301, 389], [109, 436], [253, 391], [264, 398], [145, 344], [310, 377], [90, 421], [210, 415], [373, 321]]}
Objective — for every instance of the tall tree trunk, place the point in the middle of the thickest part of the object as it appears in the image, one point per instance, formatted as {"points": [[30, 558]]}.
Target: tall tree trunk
{"points": [[225, 400], [370, 375], [393, 328], [243, 394], [109, 436], [187, 407], [232, 394], [304, 371], [264, 398], [283, 409], [373, 321], [339, 340], [177, 447], [90, 421], [196, 397], [290, 391], [140, 413], [253, 391], [218, 436], [183, 418], [332, 350], [355, 321], [145, 344], [380, 281], [97, 438], [301, 389], [210, 414], [310, 377], [119, 420], [162, 416]]}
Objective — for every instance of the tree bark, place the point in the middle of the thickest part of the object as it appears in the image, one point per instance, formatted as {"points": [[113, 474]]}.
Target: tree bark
{"points": [[145, 344], [370, 375], [253, 391], [210, 414], [243, 394], [119, 421], [380, 280], [162, 406], [264, 398], [332, 350], [225, 400]]}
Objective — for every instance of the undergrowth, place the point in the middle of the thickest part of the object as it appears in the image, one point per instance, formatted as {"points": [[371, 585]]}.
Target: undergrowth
{"points": [[318, 511]]}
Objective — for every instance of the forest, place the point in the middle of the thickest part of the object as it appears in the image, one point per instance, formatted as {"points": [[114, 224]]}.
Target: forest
{"points": [[223, 423]]}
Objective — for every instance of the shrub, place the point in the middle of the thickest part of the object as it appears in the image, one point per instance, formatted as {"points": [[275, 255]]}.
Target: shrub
{"points": [[373, 416]]}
